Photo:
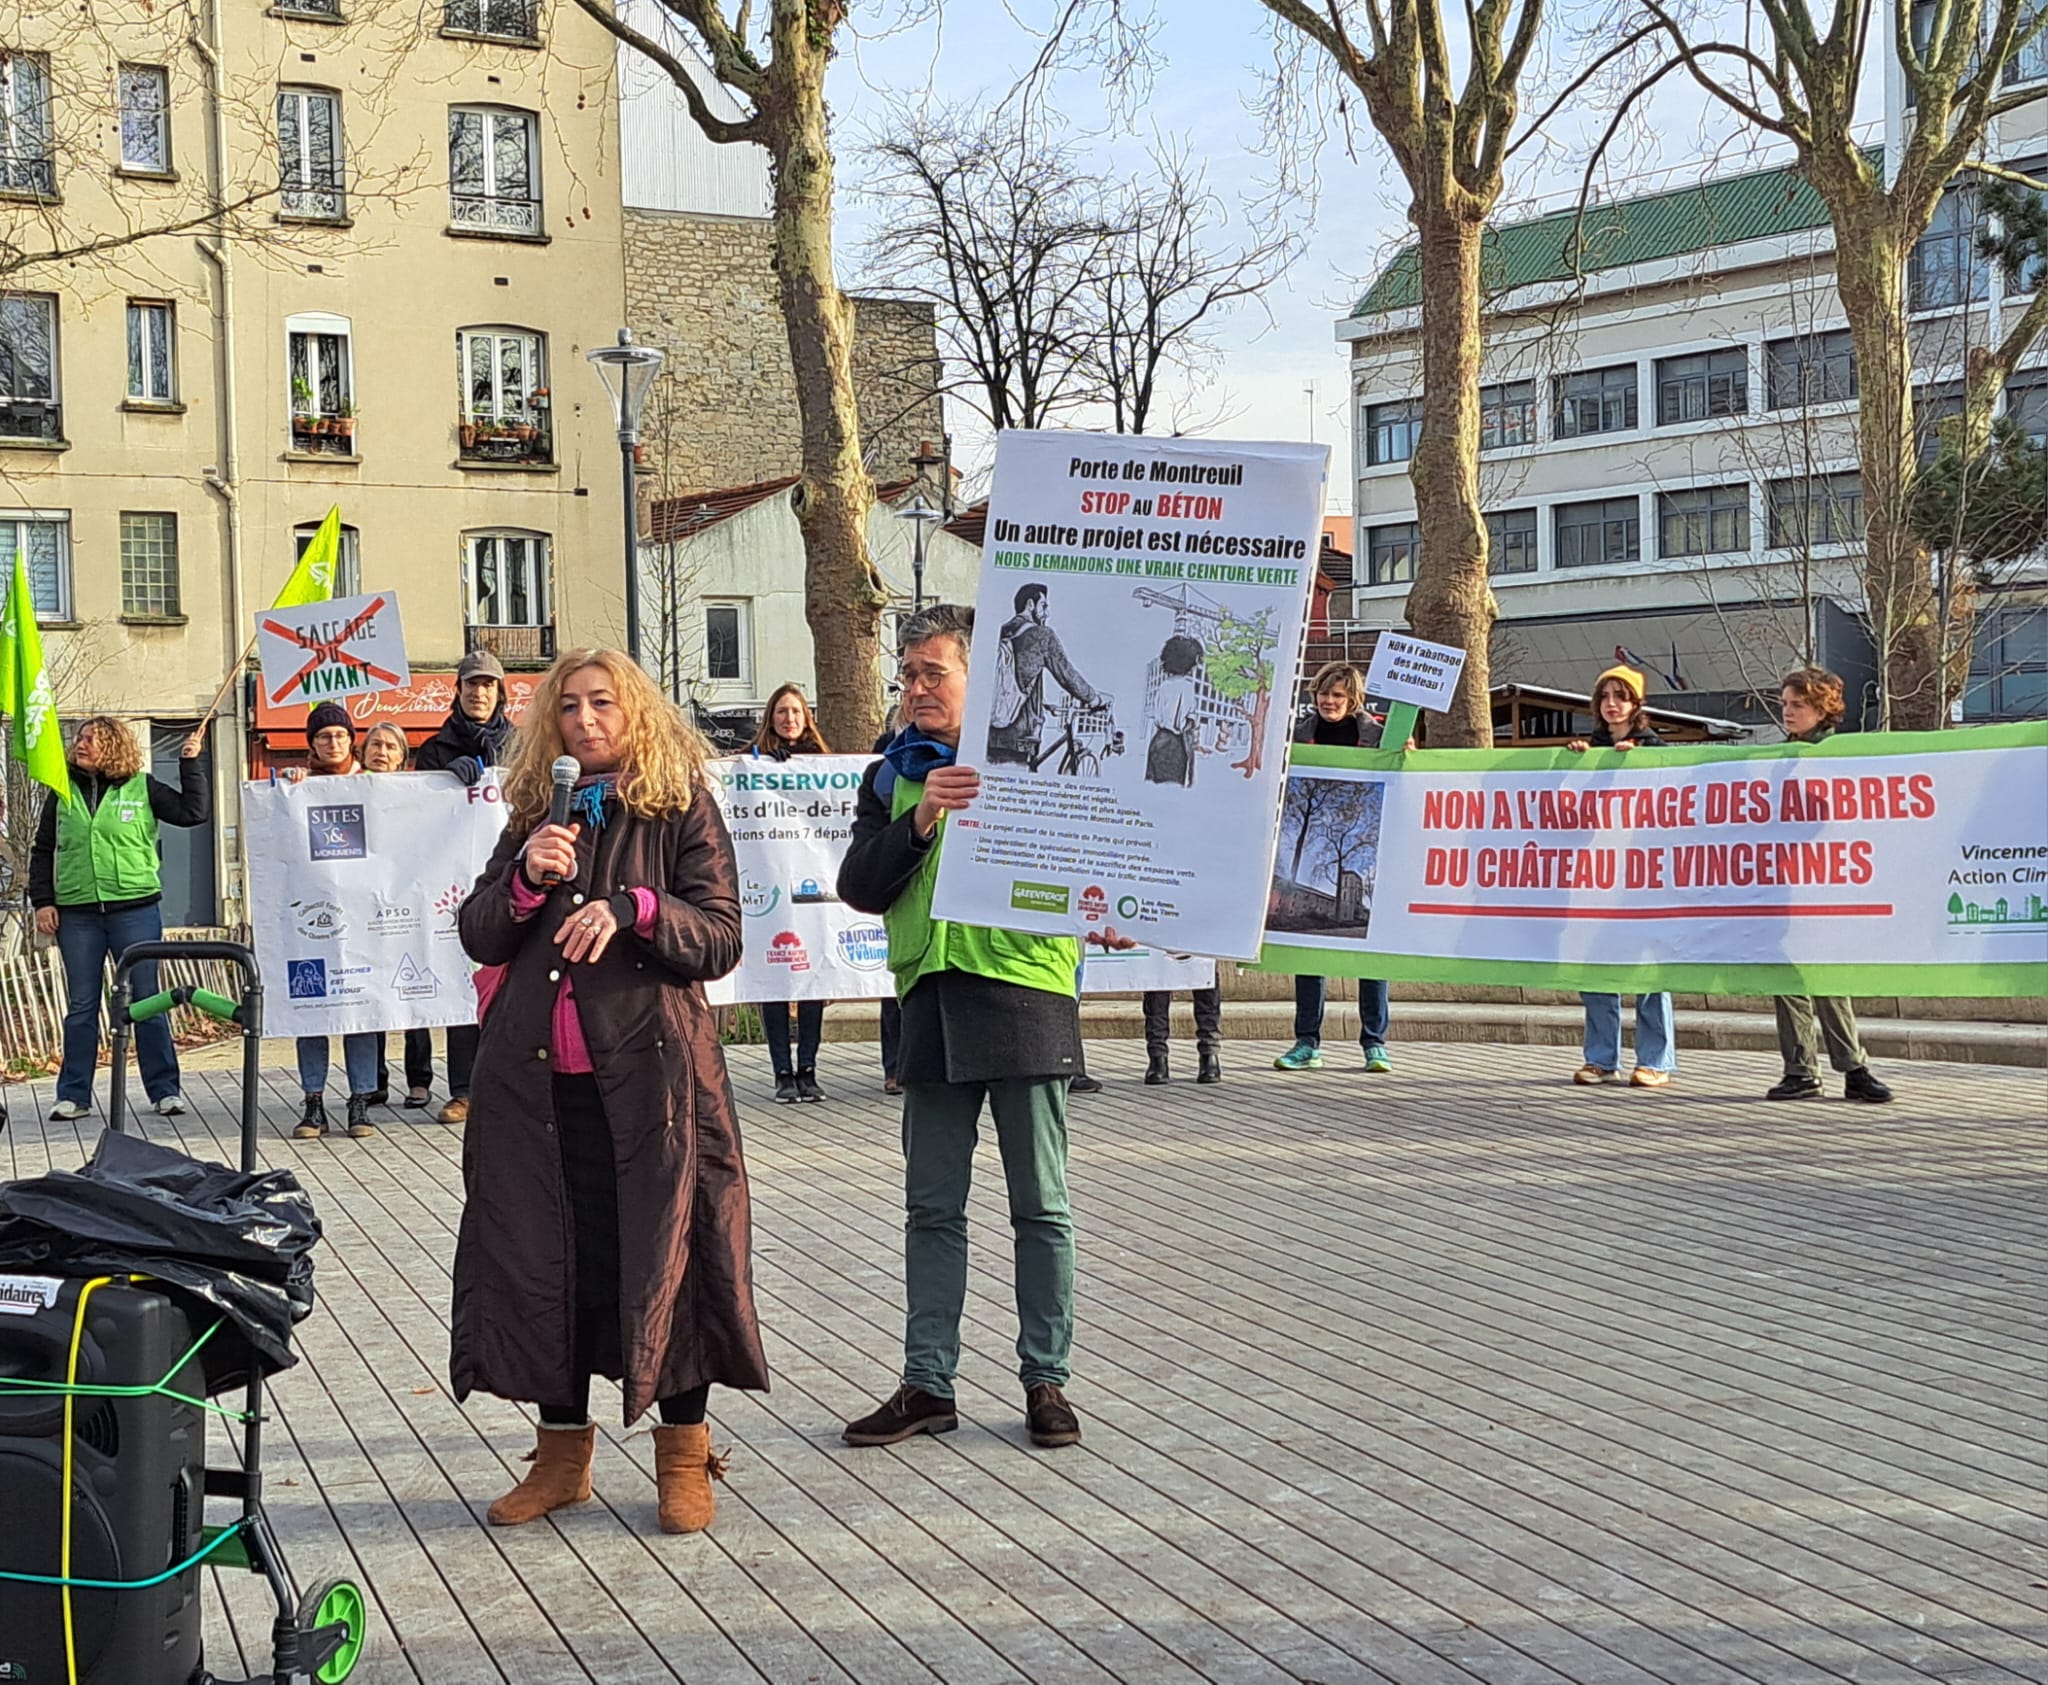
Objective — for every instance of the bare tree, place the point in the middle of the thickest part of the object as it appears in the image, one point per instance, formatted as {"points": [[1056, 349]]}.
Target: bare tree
{"points": [[1798, 79], [992, 220], [1160, 296], [1450, 129]]}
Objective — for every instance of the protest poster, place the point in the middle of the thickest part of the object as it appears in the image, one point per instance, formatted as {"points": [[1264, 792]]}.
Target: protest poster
{"points": [[1405, 669], [1872, 864], [354, 884], [790, 823], [319, 651], [1134, 970], [1138, 628]]}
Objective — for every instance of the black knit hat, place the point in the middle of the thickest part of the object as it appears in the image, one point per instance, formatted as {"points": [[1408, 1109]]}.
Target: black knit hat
{"points": [[325, 715]]}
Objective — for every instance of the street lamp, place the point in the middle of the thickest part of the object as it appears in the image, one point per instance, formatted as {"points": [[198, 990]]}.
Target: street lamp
{"points": [[921, 512], [627, 371]]}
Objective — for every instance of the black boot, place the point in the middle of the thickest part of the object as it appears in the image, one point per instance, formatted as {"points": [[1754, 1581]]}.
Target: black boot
{"points": [[1861, 1085], [785, 1089], [313, 1120], [359, 1124], [1156, 1070], [807, 1089], [1212, 1066]]}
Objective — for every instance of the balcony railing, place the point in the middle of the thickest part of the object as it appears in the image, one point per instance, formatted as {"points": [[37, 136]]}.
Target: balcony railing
{"points": [[494, 213], [309, 8], [487, 439], [31, 418], [314, 204], [513, 20], [28, 175], [515, 646], [330, 435]]}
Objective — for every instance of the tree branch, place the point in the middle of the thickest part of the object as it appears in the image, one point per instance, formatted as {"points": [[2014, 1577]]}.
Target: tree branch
{"points": [[715, 127]]}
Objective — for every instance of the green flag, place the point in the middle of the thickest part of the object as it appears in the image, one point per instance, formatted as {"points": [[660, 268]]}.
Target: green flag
{"points": [[312, 581], [25, 693]]}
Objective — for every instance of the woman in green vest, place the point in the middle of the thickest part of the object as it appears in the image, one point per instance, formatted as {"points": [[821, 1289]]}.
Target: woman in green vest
{"points": [[95, 879]]}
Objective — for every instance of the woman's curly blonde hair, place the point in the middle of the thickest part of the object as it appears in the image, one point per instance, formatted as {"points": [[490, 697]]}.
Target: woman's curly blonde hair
{"points": [[120, 754], [661, 761]]}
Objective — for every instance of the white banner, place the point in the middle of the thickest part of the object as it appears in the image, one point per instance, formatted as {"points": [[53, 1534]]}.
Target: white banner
{"points": [[320, 651], [1138, 630], [790, 823], [354, 885]]}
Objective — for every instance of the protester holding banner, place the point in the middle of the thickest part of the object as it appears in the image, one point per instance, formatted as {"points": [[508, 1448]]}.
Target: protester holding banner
{"points": [[988, 1015], [330, 753], [1812, 703], [788, 728], [1338, 722], [607, 1228], [95, 880], [1208, 1004], [475, 737], [386, 750], [1621, 725]]}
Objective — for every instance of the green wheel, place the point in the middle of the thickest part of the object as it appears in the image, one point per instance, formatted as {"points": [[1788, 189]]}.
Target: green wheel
{"points": [[336, 1603]]}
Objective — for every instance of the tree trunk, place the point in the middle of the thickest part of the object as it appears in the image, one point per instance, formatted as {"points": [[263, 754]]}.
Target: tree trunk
{"points": [[843, 595], [1452, 602], [1898, 585]]}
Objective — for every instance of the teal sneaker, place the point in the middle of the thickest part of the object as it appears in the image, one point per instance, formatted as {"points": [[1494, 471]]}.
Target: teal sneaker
{"points": [[1377, 1061], [1302, 1056]]}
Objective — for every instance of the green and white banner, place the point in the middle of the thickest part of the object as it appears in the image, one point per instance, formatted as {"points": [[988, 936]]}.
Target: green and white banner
{"points": [[1873, 864]]}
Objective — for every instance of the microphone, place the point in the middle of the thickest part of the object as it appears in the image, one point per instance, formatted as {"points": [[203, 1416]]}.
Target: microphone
{"points": [[565, 772]]}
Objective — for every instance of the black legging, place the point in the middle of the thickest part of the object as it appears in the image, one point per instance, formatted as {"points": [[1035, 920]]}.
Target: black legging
{"points": [[590, 1183], [810, 1029]]}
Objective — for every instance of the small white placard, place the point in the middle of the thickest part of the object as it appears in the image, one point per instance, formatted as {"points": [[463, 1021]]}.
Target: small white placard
{"points": [[24, 1295], [322, 651], [1408, 670]]}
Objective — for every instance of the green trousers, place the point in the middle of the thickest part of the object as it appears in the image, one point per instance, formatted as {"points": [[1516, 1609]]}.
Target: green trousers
{"points": [[1805, 1022], [941, 1124]]}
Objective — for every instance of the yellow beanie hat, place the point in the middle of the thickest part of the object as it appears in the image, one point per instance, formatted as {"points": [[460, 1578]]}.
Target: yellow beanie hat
{"points": [[1628, 676]]}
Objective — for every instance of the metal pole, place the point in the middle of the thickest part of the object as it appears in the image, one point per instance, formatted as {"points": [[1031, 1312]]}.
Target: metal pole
{"points": [[917, 569], [626, 442]]}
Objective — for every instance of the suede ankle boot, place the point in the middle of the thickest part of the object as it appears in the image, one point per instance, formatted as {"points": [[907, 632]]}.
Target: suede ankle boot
{"points": [[684, 1467], [560, 1476]]}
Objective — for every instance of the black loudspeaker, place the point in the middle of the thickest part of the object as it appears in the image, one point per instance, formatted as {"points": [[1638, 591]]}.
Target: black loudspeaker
{"points": [[138, 1477]]}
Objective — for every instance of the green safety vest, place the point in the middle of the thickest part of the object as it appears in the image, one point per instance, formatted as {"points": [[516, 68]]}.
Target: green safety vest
{"points": [[920, 944], [108, 853]]}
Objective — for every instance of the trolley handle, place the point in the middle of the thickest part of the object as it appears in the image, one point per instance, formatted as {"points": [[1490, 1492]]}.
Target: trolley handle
{"points": [[142, 952], [156, 1005]]}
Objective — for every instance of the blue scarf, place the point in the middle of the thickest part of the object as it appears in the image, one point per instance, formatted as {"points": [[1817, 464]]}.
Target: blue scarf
{"points": [[914, 755]]}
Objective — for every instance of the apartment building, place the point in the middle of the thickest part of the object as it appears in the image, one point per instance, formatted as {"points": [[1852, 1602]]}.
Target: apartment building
{"points": [[329, 251], [1668, 450]]}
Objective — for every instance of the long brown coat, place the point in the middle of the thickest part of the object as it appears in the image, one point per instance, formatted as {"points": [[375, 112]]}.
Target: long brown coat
{"points": [[686, 1293]]}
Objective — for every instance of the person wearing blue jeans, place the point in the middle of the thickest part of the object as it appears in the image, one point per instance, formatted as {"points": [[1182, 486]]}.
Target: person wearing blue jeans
{"points": [[359, 1060], [1656, 1047], [1311, 995], [95, 879]]}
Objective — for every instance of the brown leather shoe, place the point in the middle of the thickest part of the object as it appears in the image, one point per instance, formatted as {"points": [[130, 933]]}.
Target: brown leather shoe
{"points": [[1050, 1417], [456, 1111], [684, 1468], [560, 1476], [907, 1412]]}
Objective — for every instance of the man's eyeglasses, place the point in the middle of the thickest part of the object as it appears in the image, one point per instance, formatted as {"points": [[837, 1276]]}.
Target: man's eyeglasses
{"points": [[923, 678]]}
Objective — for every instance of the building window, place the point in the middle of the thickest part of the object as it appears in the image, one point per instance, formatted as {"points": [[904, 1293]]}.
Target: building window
{"points": [[28, 368], [1511, 542], [330, 10], [1819, 509], [2030, 63], [1705, 521], [348, 565], [1392, 553], [27, 163], [511, 20], [2034, 267], [152, 359], [1391, 431], [504, 381], [149, 566], [46, 537], [322, 375], [1596, 401], [2009, 665], [1507, 415], [309, 153], [1946, 269], [1815, 368], [1933, 408], [492, 182], [728, 643], [1698, 387], [2026, 406], [145, 119], [1607, 533], [507, 579]]}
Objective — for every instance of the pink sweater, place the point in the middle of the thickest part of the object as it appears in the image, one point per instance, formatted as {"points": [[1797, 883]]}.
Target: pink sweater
{"points": [[572, 1053]]}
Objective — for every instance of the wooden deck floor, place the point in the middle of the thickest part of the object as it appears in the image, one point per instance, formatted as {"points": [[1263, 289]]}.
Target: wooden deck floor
{"points": [[1459, 1375]]}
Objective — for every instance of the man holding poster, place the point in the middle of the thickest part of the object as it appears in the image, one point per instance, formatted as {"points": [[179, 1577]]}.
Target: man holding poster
{"points": [[987, 1015], [1133, 758]]}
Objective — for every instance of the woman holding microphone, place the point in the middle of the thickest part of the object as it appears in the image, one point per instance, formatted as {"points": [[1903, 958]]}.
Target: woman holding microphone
{"points": [[607, 1229]]}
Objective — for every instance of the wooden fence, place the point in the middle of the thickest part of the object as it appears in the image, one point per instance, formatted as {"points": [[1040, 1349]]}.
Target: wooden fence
{"points": [[32, 996]]}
